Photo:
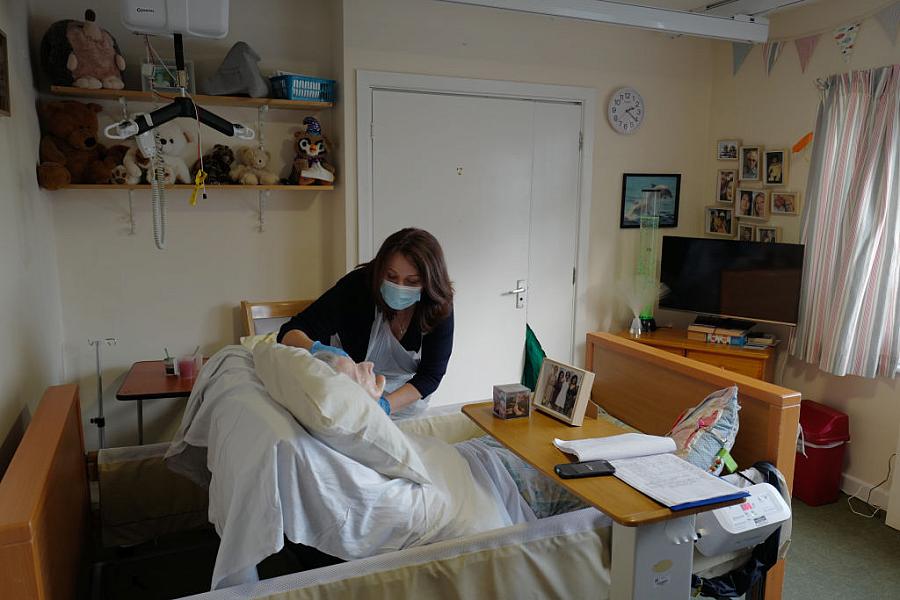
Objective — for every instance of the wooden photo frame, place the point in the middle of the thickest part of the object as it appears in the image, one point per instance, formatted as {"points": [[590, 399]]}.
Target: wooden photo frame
{"points": [[750, 165], [743, 205], [746, 232], [775, 165], [563, 391], [5, 107], [767, 233], [726, 185], [785, 203], [727, 149], [633, 185], [719, 221], [760, 209]]}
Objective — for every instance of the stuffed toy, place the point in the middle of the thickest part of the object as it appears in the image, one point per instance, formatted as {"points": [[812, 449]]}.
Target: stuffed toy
{"points": [[172, 143], [70, 152], [217, 165], [250, 167], [238, 74], [310, 166], [81, 54]]}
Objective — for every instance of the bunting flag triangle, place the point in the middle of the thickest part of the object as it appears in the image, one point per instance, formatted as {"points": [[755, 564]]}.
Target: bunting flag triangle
{"points": [[805, 48], [845, 38], [739, 52], [771, 53], [889, 19]]}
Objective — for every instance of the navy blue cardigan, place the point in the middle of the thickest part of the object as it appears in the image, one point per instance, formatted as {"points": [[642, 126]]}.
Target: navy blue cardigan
{"points": [[348, 309]]}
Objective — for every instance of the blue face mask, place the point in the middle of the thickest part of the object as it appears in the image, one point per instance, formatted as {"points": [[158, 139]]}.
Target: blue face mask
{"points": [[399, 297]]}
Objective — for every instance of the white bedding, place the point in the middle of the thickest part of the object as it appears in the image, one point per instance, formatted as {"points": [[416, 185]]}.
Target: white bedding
{"points": [[269, 478]]}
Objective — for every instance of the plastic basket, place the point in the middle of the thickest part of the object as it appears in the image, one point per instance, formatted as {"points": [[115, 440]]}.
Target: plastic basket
{"points": [[301, 87]]}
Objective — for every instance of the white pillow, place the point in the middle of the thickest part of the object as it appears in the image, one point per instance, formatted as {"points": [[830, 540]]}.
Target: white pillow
{"points": [[336, 410], [250, 341]]}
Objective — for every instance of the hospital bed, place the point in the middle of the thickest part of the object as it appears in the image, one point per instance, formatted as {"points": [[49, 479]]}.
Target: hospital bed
{"points": [[46, 524]]}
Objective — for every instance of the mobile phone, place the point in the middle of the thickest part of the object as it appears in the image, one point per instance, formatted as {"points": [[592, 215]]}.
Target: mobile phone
{"points": [[588, 468]]}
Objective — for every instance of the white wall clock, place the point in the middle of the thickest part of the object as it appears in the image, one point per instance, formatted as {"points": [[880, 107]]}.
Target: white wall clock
{"points": [[626, 110]]}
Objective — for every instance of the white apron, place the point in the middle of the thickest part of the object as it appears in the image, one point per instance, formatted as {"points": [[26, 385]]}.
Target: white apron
{"points": [[393, 361]]}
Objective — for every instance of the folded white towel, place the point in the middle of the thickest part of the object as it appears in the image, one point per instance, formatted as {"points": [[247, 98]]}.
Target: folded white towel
{"points": [[626, 445]]}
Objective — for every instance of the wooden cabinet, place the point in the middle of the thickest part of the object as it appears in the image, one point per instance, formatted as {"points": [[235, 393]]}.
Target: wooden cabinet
{"points": [[753, 362]]}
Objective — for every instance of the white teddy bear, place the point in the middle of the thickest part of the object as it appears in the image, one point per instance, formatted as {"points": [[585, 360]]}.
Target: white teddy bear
{"points": [[172, 141]]}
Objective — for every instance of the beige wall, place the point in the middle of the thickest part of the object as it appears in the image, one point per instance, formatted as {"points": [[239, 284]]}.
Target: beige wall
{"points": [[116, 284], [29, 292], [673, 75], [776, 111]]}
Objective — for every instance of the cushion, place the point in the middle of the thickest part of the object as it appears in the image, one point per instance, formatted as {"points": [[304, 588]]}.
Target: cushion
{"points": [[250, 341], [337, 411], [703, 431]]}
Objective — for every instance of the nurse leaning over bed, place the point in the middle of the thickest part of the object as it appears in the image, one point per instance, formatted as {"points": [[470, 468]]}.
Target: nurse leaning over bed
{"points": [[396, 312]]}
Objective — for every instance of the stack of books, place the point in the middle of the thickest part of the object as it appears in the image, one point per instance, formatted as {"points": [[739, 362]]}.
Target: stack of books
{"points": [[758, 339], [717, 335]]}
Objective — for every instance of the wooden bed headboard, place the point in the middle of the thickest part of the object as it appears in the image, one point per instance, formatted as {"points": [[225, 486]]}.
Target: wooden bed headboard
{"points": [[44, 503], [769, 413]]}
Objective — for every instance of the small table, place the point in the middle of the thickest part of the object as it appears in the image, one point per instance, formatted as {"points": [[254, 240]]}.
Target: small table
{"points": [[650, 559], [147, 380]]}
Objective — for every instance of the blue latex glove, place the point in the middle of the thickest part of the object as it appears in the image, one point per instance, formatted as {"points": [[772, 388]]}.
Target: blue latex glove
{"points": [[385, 405], [320, 347]]}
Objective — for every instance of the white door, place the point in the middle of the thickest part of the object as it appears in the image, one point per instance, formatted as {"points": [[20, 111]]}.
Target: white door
{"points": [[464, 168]]}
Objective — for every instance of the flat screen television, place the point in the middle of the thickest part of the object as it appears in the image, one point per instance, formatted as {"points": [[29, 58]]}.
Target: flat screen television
{"points": [[749, 280]]}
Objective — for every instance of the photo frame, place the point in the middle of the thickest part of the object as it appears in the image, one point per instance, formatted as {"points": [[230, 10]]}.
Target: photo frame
{"points": [[785, 203], [746, 232], [632, 186], [719, 221], [750, 166], [726, 185], [162, 78], [743, 205], [760, 208], [5, 108], [766, 233], [776, 167], [558, 395], [727, 149]]}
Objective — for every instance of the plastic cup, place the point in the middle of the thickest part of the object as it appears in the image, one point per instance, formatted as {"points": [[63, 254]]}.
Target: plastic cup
{"points": [[187, 367]]}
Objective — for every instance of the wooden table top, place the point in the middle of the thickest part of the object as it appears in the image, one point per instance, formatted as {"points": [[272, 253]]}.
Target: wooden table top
{"points": [[147, 380], [532, 440]]}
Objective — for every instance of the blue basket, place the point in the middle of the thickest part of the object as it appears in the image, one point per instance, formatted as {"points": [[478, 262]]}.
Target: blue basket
{"points": [[301, 87]]}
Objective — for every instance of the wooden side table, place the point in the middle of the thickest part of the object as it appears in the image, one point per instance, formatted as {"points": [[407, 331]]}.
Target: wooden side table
{"points": [[147, 380]]}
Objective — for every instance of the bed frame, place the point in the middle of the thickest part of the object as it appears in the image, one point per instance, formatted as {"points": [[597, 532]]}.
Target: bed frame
{"points": [[44, 496]]}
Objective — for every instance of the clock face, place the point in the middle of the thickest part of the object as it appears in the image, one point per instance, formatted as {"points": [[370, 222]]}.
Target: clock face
{"points": [[626, 110]]}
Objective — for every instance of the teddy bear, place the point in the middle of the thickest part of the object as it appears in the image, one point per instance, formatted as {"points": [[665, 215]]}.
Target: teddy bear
{"points": [[310, 166], [172, 142], [82, 54], [70, 152], [217, 164], [250, 167]]}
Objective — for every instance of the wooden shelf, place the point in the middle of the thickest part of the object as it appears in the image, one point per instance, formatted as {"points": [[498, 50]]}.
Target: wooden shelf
{"points": [[188, 186], [237, 101]]}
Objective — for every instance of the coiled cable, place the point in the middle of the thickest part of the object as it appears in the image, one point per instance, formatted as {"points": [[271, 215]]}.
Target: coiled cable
{"points": [[158, 193]]}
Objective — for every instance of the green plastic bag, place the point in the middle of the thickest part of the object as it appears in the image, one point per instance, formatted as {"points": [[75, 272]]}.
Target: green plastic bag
{"points": [[534, 358]]}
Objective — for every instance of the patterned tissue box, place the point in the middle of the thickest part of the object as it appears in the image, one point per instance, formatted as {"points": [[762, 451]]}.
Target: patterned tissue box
{"points": [[511, 401]]}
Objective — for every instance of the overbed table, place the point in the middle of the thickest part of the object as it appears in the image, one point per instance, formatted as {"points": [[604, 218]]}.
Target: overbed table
{"points": [[652, 546], [147, 380]]}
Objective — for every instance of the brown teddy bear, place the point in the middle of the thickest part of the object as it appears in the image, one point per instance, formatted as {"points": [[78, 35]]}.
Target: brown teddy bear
{"points": [[70, 152], [250, 167]]}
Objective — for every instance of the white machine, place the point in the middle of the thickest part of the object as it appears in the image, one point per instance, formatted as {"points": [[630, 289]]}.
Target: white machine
{"points": [[201, 18], [742, 525]]}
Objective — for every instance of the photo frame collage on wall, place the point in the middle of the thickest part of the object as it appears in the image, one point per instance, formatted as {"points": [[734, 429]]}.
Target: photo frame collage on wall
{"points": [[749, 192]]}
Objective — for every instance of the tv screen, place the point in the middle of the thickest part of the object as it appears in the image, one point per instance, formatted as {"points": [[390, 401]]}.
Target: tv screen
{"points": [[750, 280]]}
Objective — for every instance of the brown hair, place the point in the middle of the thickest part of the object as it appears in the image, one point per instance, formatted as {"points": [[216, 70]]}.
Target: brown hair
{"points": [[425, 253]]}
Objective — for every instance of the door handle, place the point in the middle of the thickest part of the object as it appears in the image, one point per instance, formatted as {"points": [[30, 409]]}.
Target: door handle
{"points": [[518, 290]]}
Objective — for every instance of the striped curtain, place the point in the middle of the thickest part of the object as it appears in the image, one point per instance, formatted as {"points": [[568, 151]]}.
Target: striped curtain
{"points": [[849, 308]]}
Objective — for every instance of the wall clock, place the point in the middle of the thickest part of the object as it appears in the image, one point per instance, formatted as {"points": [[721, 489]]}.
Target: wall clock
{"points": [[626, 110]]}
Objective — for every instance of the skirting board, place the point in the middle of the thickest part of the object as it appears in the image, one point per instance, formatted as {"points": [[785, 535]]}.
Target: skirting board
{"points": [[857, 487]]}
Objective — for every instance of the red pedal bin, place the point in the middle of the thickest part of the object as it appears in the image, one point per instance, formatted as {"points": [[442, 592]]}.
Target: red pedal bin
{"points": [[817, 478]]}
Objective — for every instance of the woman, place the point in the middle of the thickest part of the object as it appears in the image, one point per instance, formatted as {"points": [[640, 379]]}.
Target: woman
{"points": [[744, 209], [395, 311], [559, 403], [759, 205]]}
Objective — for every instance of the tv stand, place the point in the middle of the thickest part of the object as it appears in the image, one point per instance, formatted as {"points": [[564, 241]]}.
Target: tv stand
{"points": [[753, 362], [723, 322]]}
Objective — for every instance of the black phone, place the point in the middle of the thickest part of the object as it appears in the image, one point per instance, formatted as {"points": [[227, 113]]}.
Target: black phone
{"points": [[588, 468]]}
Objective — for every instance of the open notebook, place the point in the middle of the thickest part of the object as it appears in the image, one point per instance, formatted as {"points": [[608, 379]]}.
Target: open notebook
{"points": [[647, 463]]}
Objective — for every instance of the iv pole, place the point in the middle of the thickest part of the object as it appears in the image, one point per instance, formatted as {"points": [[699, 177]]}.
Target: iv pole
{"points": [[100, 420]]}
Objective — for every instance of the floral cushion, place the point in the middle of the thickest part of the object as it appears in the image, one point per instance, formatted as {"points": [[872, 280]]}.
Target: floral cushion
{"points": [[702, 432]]}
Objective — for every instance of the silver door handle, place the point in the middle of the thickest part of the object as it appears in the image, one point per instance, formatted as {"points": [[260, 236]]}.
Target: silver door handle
{"points": [[518, 290]]}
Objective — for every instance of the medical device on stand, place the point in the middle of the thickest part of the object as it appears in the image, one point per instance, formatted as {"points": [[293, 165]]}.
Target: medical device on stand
{"points": [[202, 18]]}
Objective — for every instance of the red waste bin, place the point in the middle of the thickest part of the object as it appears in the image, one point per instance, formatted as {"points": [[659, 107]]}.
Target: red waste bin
{"points": [[817, 477]]}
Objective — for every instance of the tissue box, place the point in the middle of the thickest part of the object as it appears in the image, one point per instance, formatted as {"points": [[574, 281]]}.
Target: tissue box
{"points": [[511, 401]]}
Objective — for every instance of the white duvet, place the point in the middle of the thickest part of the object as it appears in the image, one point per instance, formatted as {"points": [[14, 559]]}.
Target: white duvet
{"points": [[268, 478]]}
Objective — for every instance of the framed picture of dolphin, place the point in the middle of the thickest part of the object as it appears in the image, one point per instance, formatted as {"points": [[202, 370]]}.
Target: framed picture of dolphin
{"points": [[633, 187]]}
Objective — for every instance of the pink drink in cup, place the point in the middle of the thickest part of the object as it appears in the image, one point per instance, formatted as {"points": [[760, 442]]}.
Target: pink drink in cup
{"points": [[187, 367]]}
